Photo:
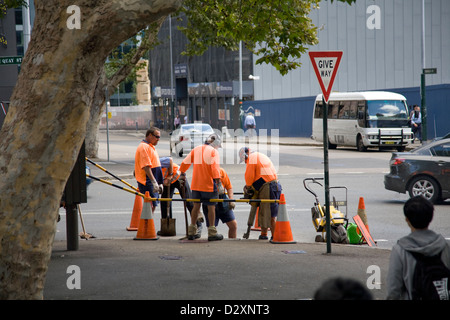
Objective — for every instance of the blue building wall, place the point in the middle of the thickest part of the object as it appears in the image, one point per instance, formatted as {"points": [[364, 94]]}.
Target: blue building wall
{"points": [[293, 116]]}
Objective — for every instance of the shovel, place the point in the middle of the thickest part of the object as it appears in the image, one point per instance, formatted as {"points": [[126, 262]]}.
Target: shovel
{"points": [[84, 234]]}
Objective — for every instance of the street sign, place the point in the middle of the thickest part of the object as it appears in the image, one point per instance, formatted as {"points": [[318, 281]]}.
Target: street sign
{"points": [[429, 71], [10, 60], [326, 64]]}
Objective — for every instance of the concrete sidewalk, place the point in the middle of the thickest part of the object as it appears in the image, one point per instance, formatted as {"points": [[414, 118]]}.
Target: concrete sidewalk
{"points": [[167, 268]]}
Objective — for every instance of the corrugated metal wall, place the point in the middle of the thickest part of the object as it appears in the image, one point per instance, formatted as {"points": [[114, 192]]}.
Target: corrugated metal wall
{"points": [[389, 57]]}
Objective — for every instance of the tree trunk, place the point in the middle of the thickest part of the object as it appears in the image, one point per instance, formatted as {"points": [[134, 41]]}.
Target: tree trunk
{"points": [[46, 125], [98, 106]]}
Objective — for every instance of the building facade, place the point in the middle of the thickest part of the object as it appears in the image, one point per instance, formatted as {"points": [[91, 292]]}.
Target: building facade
{"points": [[382, 45]]}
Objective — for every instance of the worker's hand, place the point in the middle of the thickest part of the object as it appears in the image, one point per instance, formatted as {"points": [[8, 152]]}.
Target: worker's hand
{"points": [[167, 182], [220, 188], [231, 205], [155, 186], [182, 179], [160, 189]]}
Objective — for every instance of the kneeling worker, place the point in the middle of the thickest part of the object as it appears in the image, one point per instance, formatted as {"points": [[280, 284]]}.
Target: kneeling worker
{"points": [[261, 180], [224, 210]]}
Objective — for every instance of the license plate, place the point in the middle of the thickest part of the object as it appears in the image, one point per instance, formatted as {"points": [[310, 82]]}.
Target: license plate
{"points": [[389, 142]]}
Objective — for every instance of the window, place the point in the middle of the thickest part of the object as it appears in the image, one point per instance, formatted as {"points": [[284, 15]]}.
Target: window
{"points": [[344, 110], [318, 112], [442, 150], [386, 110]]}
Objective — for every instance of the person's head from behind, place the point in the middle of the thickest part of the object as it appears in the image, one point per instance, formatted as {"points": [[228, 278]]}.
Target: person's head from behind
{"points": [[418, 212], [342, 289]]}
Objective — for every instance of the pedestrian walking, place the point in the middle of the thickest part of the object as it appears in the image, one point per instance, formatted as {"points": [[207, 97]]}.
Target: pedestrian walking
{"points": [[261, 182], [420, 245], [224, 210], [147, 167], [205, 183]]}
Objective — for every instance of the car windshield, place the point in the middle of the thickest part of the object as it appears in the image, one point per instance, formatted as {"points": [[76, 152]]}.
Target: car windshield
{"points": [[196, 127], [386, 110]]}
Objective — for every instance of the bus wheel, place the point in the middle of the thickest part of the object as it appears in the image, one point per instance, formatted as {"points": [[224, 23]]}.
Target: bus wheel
{"points": [[360, 145]]}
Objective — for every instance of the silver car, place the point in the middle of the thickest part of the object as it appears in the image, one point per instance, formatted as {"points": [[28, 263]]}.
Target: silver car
{"points": [[188, 136]]}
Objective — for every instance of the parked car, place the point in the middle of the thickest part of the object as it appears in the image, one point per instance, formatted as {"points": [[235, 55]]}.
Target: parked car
{"points": [[188, 136], [424, 171]]}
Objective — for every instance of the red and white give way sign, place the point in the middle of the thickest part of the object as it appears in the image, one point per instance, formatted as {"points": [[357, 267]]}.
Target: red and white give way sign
{"points": [[326, 64]]}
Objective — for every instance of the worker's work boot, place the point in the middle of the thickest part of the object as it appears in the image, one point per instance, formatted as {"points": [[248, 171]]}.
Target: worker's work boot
{"points": [[213, 235], [192, 232]]}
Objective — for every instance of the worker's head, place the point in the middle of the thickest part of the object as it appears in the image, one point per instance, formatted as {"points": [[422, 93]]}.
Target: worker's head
{"points": [[153, 135], [243, 154], [418, 212], [214, 141]]}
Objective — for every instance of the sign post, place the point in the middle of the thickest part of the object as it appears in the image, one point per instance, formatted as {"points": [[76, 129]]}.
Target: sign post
{"points": [[326, 64]]}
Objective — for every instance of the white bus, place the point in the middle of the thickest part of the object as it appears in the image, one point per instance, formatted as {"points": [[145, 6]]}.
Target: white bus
{"points": [[364, 119]]}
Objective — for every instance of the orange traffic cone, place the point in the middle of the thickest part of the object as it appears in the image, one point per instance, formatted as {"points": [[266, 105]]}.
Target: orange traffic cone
{"points": [[362, 213], [146, 229], [283, 233], [256, 226], [136, 215]]}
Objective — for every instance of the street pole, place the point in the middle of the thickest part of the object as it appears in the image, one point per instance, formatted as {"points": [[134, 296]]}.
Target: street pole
{"points": [[326, 173], [240, 84], [422, 81], [171, 76]]}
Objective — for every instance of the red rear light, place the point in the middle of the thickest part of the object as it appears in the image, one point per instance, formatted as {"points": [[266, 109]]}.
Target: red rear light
{"points": [[397, 161]]}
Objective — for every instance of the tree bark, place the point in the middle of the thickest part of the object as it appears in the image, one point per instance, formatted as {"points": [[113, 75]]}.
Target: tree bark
{"points": [[46, 125], [98, 106]]}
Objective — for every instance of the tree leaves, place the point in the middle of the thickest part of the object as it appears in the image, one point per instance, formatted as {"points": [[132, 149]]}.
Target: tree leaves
{"points": [[279, 32]]}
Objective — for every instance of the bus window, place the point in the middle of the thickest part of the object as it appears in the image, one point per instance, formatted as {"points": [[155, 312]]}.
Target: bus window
{"points": [[318, 112], [361, 114], [344, 110], [386, 109], [333, 110], [353, 110]]}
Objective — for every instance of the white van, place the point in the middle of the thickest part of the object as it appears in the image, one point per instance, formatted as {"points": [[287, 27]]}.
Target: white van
{"points": [[364, 119]]}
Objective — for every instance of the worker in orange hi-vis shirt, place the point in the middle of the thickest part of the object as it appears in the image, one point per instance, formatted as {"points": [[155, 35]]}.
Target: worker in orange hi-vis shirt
{"points": [[205, 182], [261, 182], [147, 166], [224, 210]]}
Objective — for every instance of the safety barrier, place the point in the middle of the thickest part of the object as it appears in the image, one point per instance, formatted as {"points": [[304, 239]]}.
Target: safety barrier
{"points": [[188, 200]]}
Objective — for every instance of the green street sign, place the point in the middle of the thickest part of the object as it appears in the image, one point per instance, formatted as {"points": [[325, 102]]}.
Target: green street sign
{"points": [[10, 60], [430, 71]]}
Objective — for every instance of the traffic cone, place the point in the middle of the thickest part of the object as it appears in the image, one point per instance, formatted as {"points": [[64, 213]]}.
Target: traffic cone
{"points": [[283, 233], [136, 215], [256, 226], [362, 213], [146, 229]]}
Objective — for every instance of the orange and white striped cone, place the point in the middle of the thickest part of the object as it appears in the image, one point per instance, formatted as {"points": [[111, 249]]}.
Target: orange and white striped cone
{"points": [[362, 214], [146, 229], [136, 215], [283, 232]]}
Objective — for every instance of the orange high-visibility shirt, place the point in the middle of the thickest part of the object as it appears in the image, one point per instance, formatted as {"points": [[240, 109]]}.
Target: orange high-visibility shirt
{"points": [[226, 183], [146, 156], [206, 168], [259, 165], [175, 172]]}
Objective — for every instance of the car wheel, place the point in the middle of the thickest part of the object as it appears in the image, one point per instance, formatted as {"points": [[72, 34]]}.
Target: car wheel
{"points": [[180, 154], [424, 186], [360, 144]]}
